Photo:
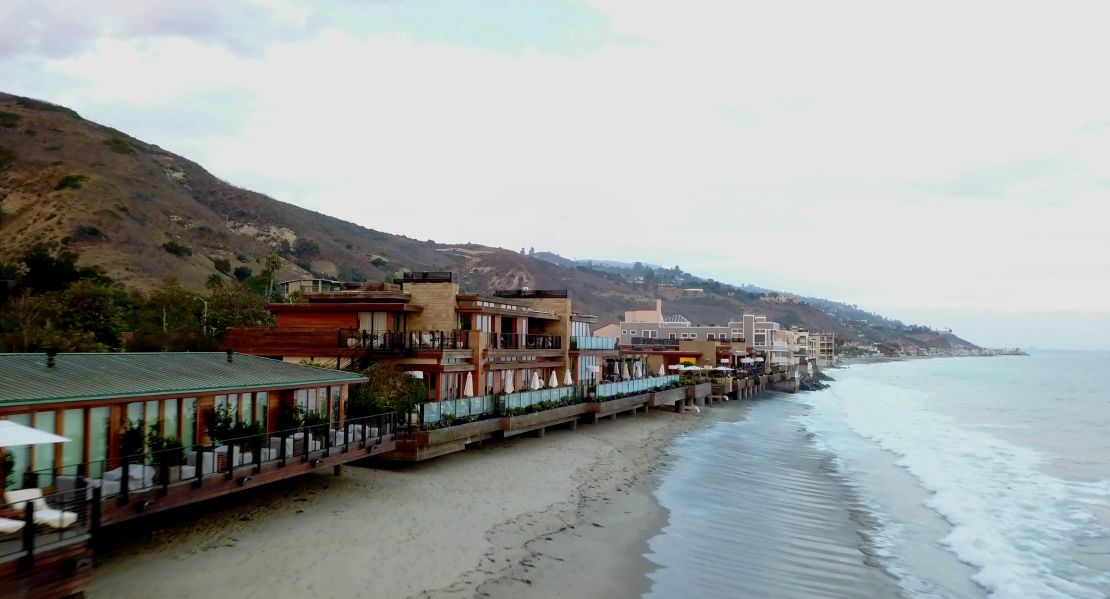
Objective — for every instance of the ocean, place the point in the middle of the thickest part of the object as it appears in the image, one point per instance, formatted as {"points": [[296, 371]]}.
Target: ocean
{"points": [[948, 478]]}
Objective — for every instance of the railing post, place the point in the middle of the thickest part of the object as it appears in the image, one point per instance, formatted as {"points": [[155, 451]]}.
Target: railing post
{"points": [[281, 450], [125, 481], [94, 525], [346, 436], [258, 453], [230, 460], [200, 465], [29, 531]]}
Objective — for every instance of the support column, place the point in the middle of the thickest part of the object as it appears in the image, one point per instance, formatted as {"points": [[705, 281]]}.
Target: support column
{"points": [[540, 432], [337, 470], [573, 424]]}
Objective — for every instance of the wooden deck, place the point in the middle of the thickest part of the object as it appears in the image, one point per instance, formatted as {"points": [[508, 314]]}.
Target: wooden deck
{"points": [[157, 499]]}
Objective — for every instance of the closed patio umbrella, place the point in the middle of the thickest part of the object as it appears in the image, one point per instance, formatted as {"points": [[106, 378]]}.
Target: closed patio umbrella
{"points": [[624, 372], [537, 382], [508, 381], [13, 434], [661, 371], [553, 381], [567, 380], [468, 388]]}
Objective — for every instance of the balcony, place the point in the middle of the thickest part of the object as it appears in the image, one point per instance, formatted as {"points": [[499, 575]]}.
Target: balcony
{"points": [[602, 343], [438, 340], [525, 342], [382, 341]]}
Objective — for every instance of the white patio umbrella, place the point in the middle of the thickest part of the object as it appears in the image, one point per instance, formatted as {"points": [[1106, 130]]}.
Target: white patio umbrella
{"points": [[508, 381], [693, 368], [759, 359], [675, 367], [567, 380], [468, 388], [636, 371], [661, 371], [746, 360], [553, 381], [624, 371], [537, 382], [13, 434]]}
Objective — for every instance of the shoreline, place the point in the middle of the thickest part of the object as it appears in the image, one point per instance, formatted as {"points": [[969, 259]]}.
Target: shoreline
{"points": [[618, 513], [474, 523]]}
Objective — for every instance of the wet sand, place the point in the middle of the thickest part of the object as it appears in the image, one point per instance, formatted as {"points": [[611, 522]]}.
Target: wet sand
{"points": [[569, 514]]}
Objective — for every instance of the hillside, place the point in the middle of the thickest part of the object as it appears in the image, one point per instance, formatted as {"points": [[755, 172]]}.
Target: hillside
{"points": [[141, 214]]}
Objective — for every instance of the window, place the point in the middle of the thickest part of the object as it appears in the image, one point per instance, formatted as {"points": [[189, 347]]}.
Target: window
{"points": [[693, 335], [671, 336], [632, 333]]}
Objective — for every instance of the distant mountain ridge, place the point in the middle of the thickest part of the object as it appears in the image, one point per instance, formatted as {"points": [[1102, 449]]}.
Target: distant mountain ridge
{"points": [[141, 214]]}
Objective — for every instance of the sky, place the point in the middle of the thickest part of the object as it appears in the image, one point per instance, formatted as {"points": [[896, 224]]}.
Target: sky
{"points": [[941, 162]]}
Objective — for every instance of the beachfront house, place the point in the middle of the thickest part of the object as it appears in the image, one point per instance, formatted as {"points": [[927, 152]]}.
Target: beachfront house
{"points": [[150, 431]]}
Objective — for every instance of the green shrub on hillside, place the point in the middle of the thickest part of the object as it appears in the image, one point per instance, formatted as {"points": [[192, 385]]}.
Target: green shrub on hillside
{"points": [[8, 120], [242, 273], [70, 182], [40, 105], [119, 145], [222, 264], [177, 249]]}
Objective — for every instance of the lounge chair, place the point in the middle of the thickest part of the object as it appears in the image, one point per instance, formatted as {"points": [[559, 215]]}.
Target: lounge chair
{"points": [[10, 526], [43, 513]]}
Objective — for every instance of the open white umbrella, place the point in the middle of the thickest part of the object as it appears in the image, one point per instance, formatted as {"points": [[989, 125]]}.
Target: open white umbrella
{"points": [[676, 367], [508, 381], [468, 388], [661, 371], [759, 359], [13, 434], [553, 381], [624, 372], [537, 382], [746, 360], [693, 369], [567, 380]]}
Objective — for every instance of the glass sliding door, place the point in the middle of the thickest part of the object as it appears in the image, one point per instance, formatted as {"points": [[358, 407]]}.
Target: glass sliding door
{"points": [[98, 441], [73, 428]]}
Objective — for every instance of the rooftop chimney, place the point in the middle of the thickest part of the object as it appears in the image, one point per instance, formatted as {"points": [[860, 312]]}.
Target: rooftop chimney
{"points": [[50, 353], [230, 355]]}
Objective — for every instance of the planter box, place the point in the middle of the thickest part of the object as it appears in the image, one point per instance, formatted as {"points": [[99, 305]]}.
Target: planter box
{"points": [[699, 390], [514, 425], [604, 408], [668, 396], [468, 433]]}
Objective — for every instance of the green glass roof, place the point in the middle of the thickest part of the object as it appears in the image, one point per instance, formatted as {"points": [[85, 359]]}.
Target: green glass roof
{"points": [[26, 379]]}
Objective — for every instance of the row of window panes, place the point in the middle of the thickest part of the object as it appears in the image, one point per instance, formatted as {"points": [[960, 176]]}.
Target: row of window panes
{"points": [[145, 414]]}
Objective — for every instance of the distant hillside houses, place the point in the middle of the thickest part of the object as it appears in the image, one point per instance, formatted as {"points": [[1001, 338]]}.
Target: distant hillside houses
{"points": [[781, 298]]}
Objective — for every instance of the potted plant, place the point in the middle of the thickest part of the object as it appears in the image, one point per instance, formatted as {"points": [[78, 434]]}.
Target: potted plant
{"points": [[167, 454]]}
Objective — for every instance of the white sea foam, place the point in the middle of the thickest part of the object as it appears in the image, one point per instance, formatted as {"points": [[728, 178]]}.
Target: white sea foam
{"points": [[1016, 525]]}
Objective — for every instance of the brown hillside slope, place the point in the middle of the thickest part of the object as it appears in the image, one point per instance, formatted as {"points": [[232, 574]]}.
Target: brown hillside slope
{"points": [[131, 197], [118, 201]]}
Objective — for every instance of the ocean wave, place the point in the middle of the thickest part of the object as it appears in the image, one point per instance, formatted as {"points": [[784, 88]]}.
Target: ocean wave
{"points": [[1017, 526]]}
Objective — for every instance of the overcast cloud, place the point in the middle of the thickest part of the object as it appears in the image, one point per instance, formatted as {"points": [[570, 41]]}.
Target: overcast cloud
{"points": [[943, 162]]}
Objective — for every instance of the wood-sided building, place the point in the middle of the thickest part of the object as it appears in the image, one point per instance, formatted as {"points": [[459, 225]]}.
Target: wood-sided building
{"points": [[150, 431], [425, 324]]}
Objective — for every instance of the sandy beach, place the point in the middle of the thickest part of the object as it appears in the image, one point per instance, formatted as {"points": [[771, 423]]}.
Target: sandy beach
{"points": [[566, 514]]}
